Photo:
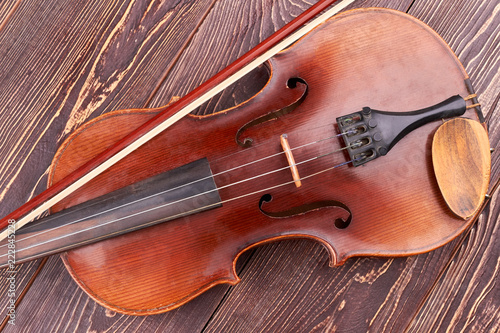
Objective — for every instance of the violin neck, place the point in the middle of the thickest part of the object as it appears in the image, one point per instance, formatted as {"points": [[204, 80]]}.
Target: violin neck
{"points": [[186, 190]]}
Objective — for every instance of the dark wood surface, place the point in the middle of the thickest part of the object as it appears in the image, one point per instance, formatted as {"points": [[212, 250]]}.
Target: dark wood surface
{"points": [[63, 63]]}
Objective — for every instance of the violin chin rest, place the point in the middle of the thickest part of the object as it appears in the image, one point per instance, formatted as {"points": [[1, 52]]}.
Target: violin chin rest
{"points": [[462, 161]]}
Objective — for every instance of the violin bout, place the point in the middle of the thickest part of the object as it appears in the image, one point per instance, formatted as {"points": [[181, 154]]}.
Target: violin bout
{"points": [[462, 161]]}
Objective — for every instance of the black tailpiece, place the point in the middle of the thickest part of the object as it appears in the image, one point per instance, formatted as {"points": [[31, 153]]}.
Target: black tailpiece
{"points": [[369, 133]]}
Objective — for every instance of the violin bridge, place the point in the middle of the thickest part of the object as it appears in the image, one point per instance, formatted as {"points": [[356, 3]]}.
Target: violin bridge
{"points": [[291, 160]]}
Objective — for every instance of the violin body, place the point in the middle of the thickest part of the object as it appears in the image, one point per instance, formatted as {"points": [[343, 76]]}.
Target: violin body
{"points": [[378, 58]]}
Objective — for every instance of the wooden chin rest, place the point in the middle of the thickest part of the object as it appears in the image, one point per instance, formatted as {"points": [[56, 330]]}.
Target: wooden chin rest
{"points": [[462, 161]]}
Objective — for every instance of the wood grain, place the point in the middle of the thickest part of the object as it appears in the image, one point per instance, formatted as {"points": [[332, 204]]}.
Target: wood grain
{"points": [[7, 8], [289, 286], [394, 307], [462, 161], [54, 292], [21, 277], [85, 60], [60, 70], [466, 297], [213, 242], [98, 88]]}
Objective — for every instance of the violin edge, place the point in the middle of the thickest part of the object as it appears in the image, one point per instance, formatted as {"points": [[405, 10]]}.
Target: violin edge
{"points": [[337, 261]]}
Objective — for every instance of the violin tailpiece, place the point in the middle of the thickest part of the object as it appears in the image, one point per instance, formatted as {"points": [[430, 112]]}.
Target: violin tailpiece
{"points": [[370, 133]]}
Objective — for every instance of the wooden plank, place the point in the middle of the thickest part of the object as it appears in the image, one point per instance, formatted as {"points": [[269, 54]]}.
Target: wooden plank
{"points": [[467, 296], [7, 8], [14, 281], [71, 310], [92, 93], [72, 63], [219, 43], [288, 286]]}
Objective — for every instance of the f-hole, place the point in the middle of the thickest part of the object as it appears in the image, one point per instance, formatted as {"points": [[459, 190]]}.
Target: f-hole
{"points": [[339, 222], [297, 84], [292, 82]]}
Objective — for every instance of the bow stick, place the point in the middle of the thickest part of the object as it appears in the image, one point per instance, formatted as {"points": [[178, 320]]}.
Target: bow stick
{"points": [[281, 39]]}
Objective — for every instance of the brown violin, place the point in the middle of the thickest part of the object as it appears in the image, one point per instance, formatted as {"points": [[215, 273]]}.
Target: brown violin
{"points": [[366, 137]]}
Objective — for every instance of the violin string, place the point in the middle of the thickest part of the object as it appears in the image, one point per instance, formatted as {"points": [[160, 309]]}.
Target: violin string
{"points": [[283, 168], [292, 181], [178, 201], [180, 214], [280, 153], [175, 202], [48, 218], [198, 180]]}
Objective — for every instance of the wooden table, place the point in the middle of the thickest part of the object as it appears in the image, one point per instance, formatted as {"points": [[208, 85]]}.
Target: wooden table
{"points": [[65, 62]]}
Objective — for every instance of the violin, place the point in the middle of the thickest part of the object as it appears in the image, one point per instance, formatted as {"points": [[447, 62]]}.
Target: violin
{"points": [[309, 156]]}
